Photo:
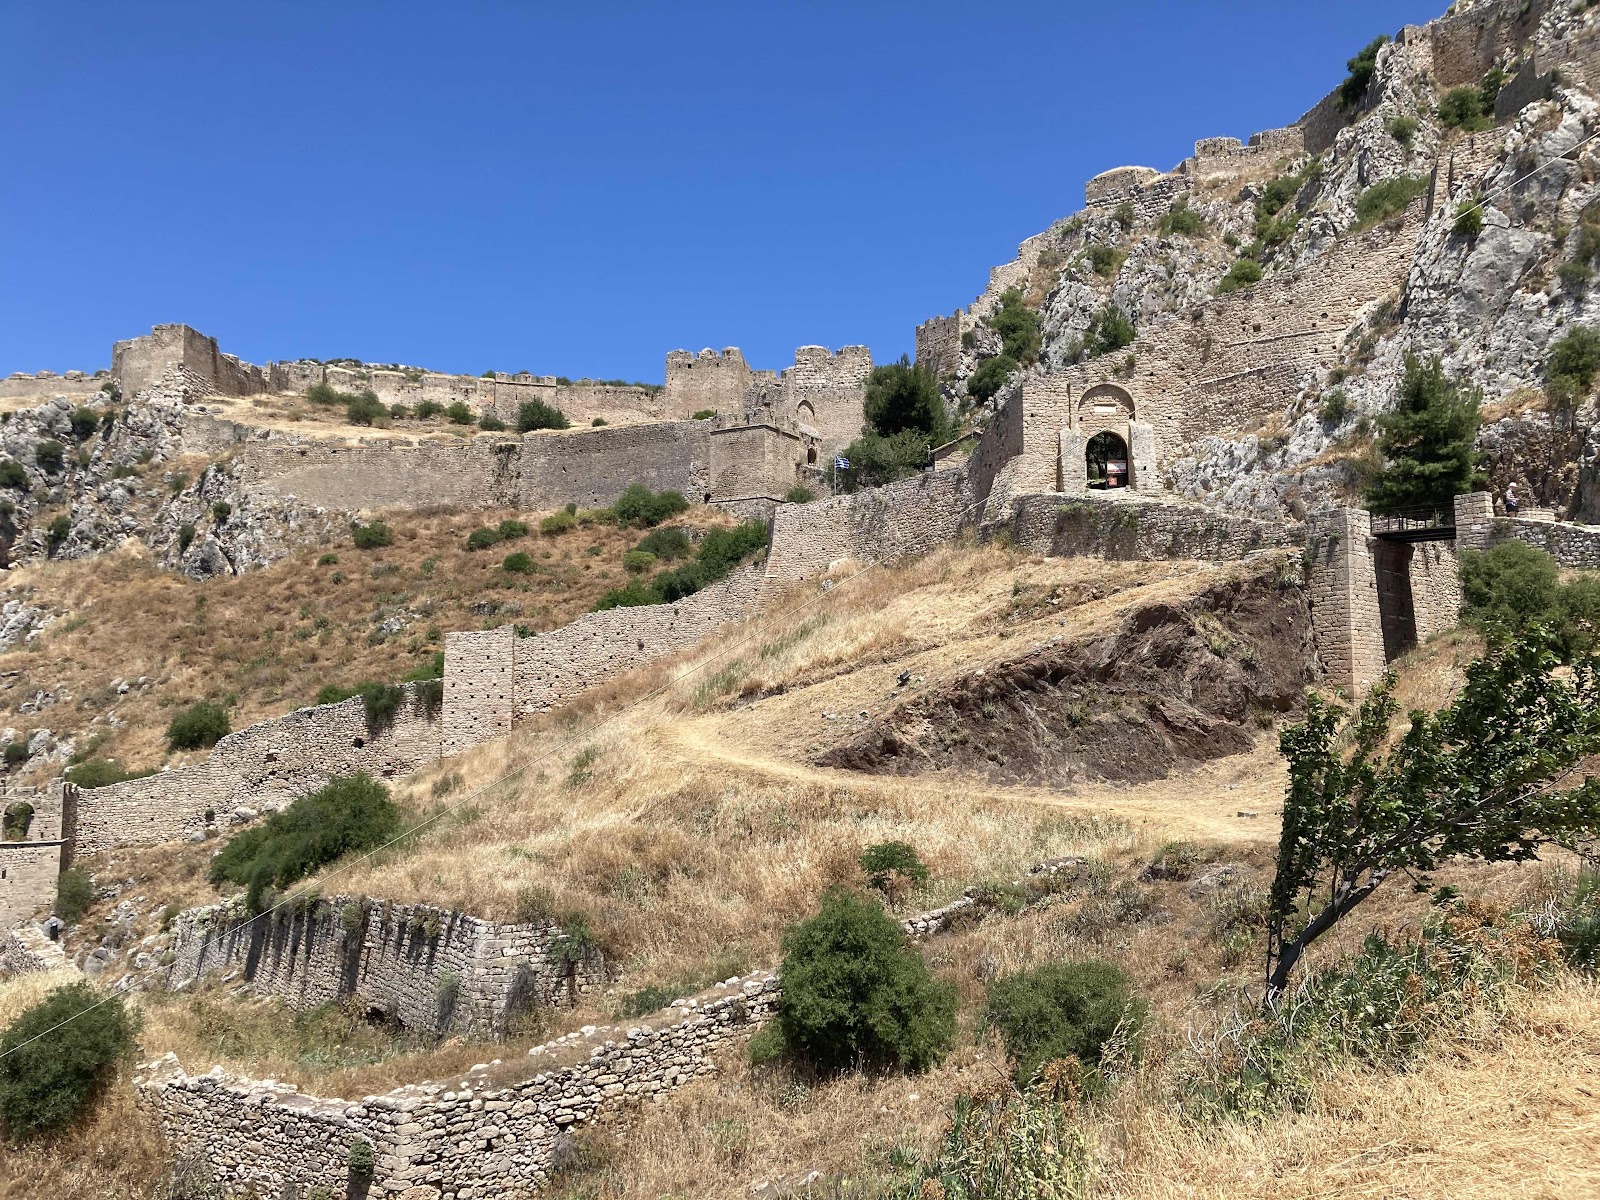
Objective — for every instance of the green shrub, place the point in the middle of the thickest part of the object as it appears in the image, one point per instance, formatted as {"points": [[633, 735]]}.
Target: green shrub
{"points": [[1124, 214], [704, 414], [799, 494], [458, 414], [1387, 198], [1403, 130], [84, 423], [1181, 219], [15, 821], [1426, 442], [374, 535], [873, 459], [102, 772], [12, 475], [1242, 274], [197, 727], [558, 523], [902, 396], [49, 455], [327, 560], [856, 994], [221, 511], [1571, 365], [1574, 920], [58, 531], [511, 529], [428, 409], [668, 542], [185, 536], [74, 894], [1466, 107], [536, 414], [16, 753], [519, 563], [1019, 328], [482, 538], [1335, 406], [1354, 88], [1111, 331], [1104, 260], [359, 1160], [58, 1056], [1469, 218], [1062, 1011], [324, 393], [491, 423], [635, 562], [366, 409], [886, 864], [639, 506], [719, 552], [598, 422], [348, 816], [1513, 586], [399, 412], [988, 379], [382, 703]]}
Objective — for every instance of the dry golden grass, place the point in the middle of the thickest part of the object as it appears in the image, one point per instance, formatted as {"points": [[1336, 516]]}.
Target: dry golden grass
{"points": [[268, 641]]}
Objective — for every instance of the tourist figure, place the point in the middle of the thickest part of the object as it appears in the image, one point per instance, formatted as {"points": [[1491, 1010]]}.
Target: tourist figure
{"points": [[1512, 507]]}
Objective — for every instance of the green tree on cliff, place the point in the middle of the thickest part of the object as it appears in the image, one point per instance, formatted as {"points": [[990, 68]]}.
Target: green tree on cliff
{"points": [[1427, 441], [905, 416]]}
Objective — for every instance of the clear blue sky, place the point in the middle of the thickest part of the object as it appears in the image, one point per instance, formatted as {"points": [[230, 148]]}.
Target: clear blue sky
{"points": [[577, 189]]}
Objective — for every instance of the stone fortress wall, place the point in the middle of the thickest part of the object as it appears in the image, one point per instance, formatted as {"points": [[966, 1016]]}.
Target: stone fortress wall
{"points": [[41, 385], [266, 765], [31, 850], [425, 967]]}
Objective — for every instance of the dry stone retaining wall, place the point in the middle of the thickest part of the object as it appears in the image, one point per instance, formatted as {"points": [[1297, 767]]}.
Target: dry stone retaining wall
{"points": [[1571, 545], [27, 949], [1130, 529], [266, 765], [426, 967]]}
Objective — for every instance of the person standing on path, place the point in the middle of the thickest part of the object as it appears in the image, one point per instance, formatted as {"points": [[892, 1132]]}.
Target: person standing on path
{"points": [[1512, 507]]}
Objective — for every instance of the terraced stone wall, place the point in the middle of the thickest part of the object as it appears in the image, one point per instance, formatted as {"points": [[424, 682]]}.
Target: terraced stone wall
{"points": [[1128, 529]]}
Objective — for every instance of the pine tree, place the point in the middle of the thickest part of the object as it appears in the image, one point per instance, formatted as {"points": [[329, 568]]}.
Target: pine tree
{"points": [[1426, 443]]}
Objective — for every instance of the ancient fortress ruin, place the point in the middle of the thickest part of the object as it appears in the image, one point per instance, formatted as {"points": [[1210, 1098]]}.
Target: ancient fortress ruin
{"points": [[1219, 368]]}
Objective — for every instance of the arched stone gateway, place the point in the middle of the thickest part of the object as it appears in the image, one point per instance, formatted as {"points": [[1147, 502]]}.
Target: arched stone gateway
{"points": [[1105, 445]]}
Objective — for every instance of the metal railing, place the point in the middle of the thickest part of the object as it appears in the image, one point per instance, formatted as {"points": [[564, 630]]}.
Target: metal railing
{"points": [[1416, 522]]}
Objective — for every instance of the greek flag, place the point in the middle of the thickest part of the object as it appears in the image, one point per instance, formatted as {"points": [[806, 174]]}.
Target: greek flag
{"points": [[841, 463]]}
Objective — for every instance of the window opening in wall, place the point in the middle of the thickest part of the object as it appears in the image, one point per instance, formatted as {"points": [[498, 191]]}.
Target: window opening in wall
{"points": [[358, 743], [811, 456], [1106, 457]]}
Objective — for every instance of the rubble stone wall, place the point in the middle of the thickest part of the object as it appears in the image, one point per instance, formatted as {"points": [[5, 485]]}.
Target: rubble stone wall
{"points": [[28, 872], [44, 385], [266, 765], [1343, 586], [26, 949], [429, 968]]}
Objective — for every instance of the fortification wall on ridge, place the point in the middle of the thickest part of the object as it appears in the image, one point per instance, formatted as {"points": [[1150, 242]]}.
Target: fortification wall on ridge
{"points": [[45, 385], [713, 380], [139, 362], [592, 467], [28, 872], [429, 968], [266, 765], [938, 341]]}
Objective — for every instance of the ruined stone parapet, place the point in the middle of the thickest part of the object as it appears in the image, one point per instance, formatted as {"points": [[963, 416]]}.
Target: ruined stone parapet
{"points": [[1118, 184], [139, 362], [938, 342], [44, 384], [27, 950], [428, 968]]}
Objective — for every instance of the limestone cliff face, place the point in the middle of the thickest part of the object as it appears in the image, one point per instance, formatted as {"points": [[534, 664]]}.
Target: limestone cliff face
{"points": [[1489, 305]]}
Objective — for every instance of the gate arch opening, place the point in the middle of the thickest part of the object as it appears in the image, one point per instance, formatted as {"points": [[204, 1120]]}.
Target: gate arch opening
{"points": [[1106, 459]]}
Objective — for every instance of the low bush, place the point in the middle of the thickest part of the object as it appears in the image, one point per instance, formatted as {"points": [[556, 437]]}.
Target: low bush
{"points": [[988, 379], [1387, 198], [16, 753], [519, 563], [1403, 130], [102, 772], [511, 529], [58, 531], [197, 727], [536, 414], [1513, 586], [185, 536], [428, 409], [399, 412], [58, 1056], [366, 409], [1181, 219], [347, 816], [15, 821], [12, 474], [598, 422], [558, 523], [221, 511], [799, 494], [667, 542], [1242, 274], [324, 393], [856, 994], [1110, 331], [1571, 365], [490, 423], [704, 414], [1469, 218], [1063, 1012], [374, 535], [458, 414], [1353, 90], [1104, 260], [1335, 406], [74, 894], [49, 455], [482, 538], [84, 422], [640, 507], [636, 562], [1466, 107], [718, 553]]}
